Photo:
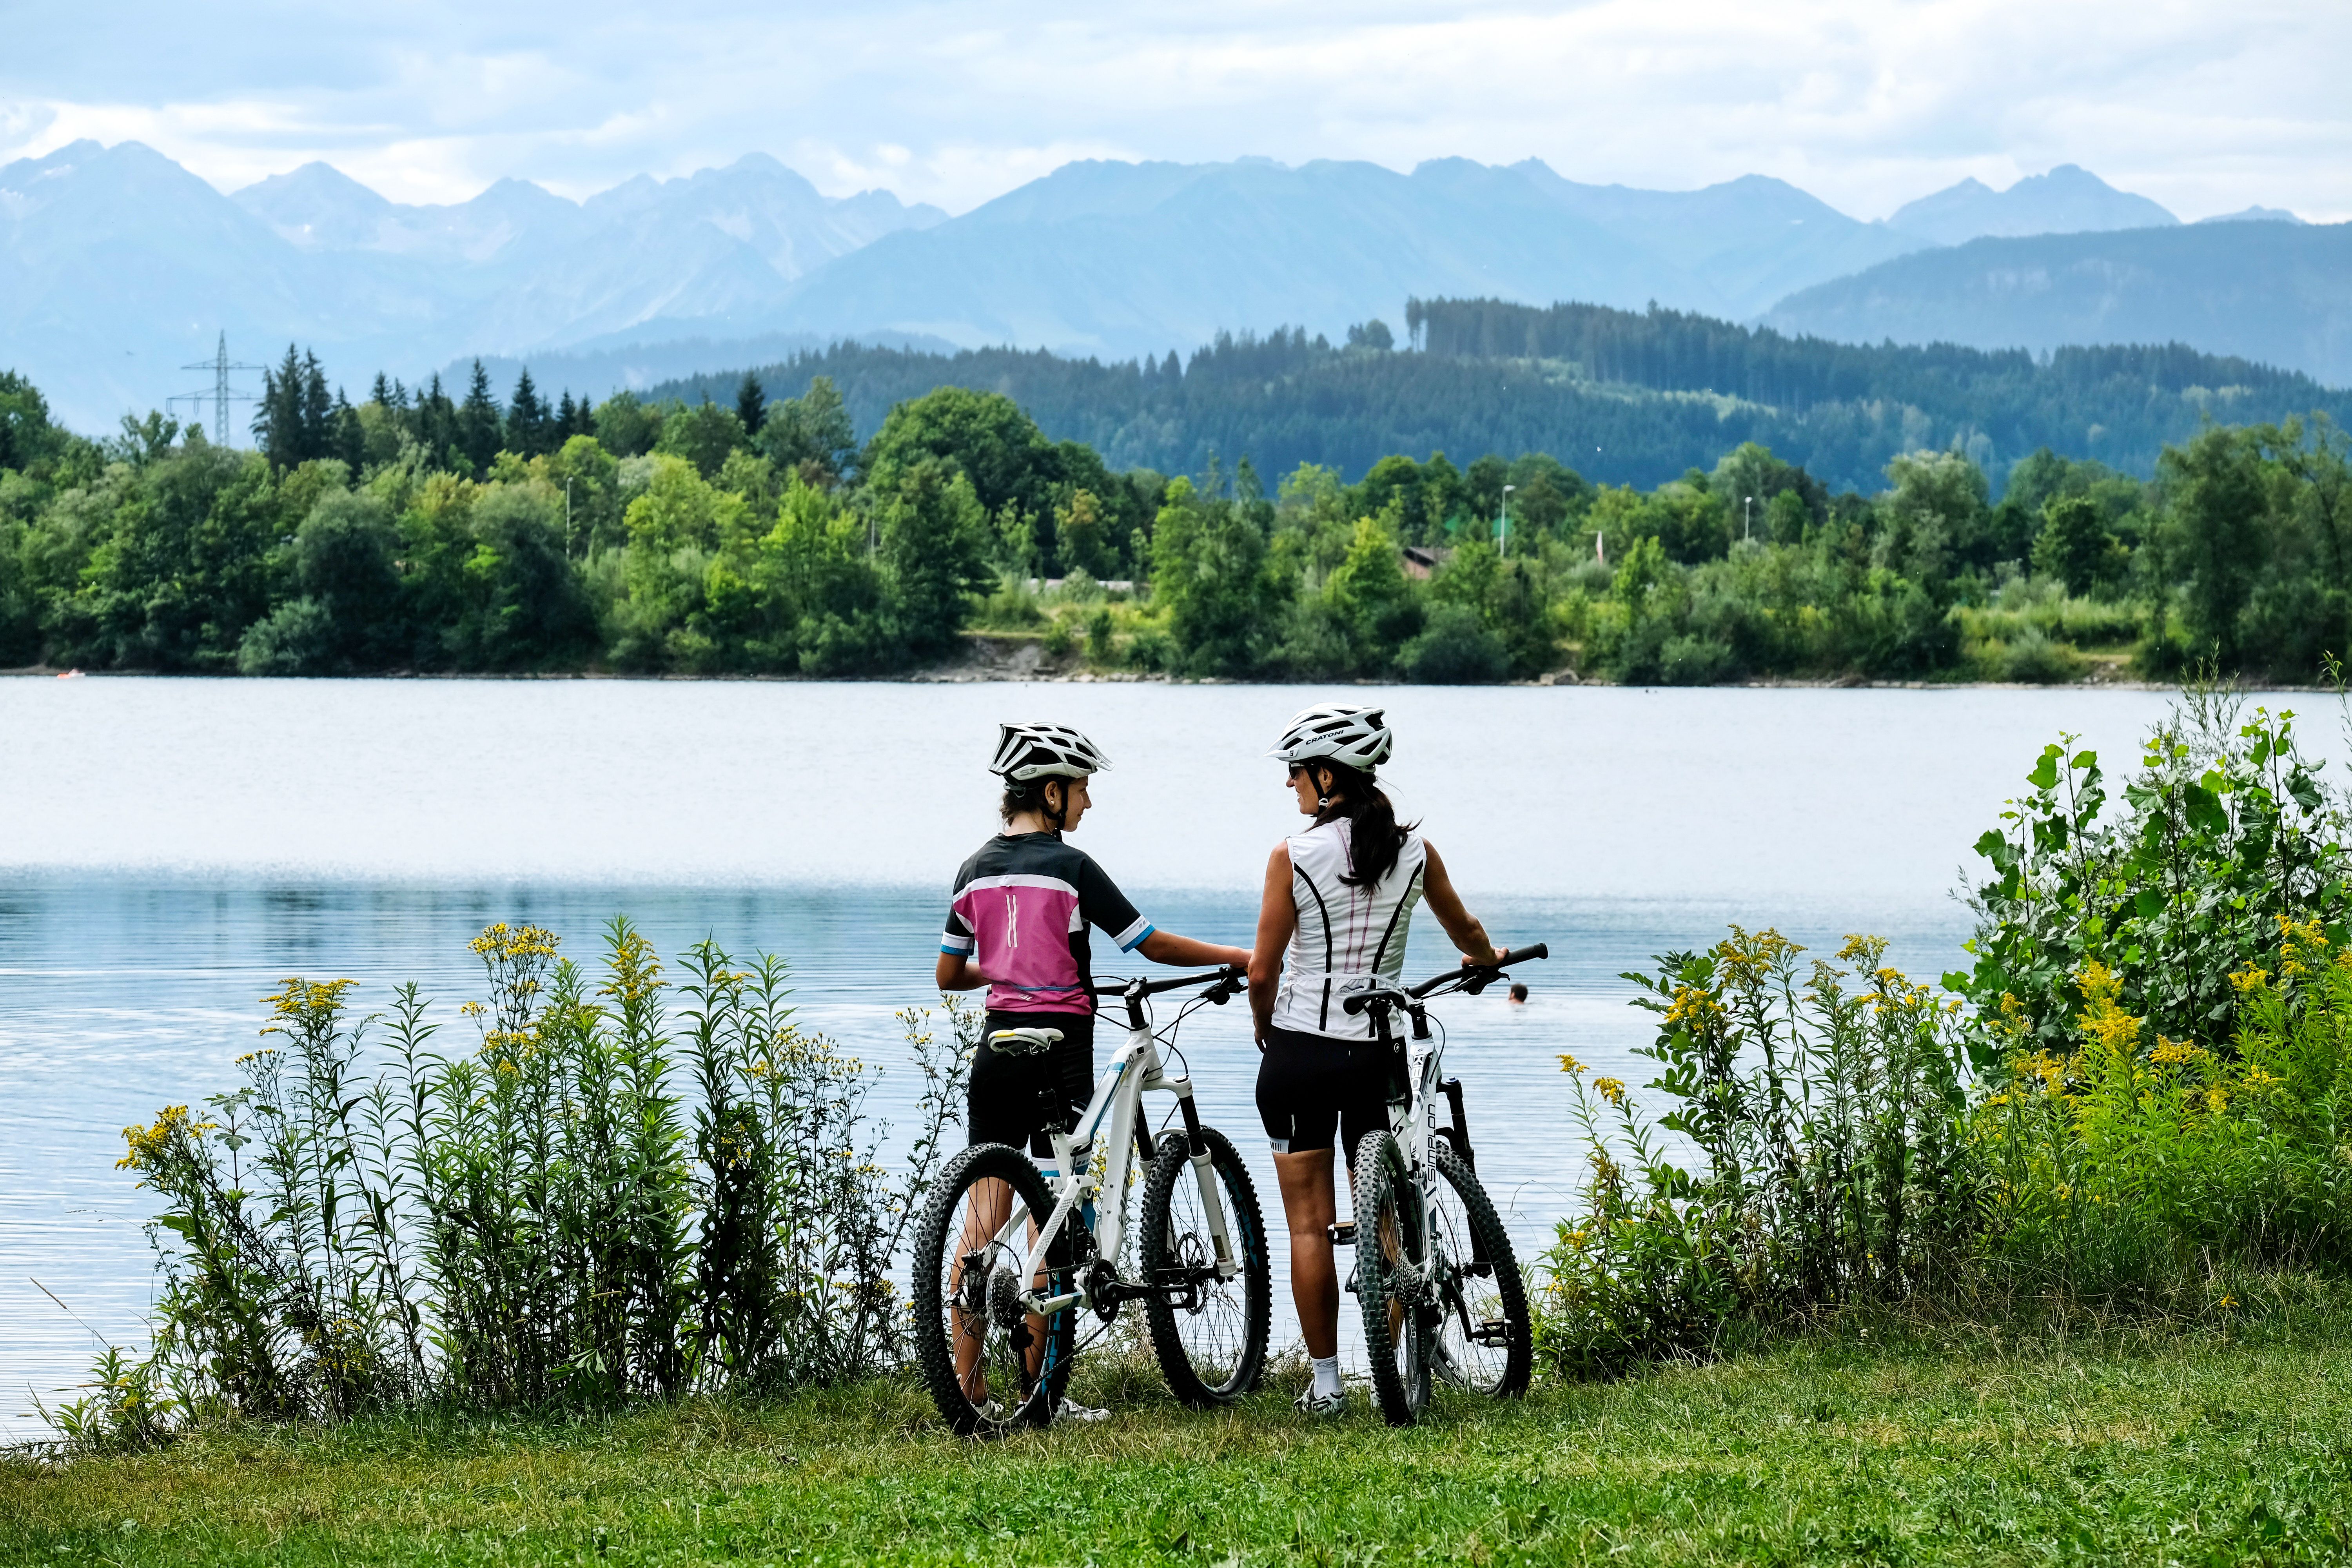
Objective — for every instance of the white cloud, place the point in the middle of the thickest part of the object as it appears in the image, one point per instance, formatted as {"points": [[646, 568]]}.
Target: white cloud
{"points": [[2204, 108]]}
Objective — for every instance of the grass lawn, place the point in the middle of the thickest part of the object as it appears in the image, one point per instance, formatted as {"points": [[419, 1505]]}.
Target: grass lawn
{"points": [[2226, 1444]]}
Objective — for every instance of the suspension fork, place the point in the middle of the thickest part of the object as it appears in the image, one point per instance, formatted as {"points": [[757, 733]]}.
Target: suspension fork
{"points": [[1204, 1174]]}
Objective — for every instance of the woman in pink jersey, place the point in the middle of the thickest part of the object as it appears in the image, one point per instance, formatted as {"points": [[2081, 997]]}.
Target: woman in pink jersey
{"points": [[1338, 903], [1018, 922]]}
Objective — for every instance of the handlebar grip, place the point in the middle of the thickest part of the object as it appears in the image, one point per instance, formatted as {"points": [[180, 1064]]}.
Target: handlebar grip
{"points": [[1354, 1005], [1522, 955]]}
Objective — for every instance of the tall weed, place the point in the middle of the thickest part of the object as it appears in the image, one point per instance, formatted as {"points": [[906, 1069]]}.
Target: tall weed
{"points": [[626, 1188], [2136, 1167], [1827, 1110]]}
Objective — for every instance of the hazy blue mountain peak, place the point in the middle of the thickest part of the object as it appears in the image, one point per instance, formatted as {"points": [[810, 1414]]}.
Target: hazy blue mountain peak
{"points": [[318, 205], [2256, 215], [631, 195], [2069, 199]]}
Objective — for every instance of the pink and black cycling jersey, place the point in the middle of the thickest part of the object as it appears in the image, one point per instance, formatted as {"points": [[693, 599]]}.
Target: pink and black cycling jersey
{"points": [[1020, 909]]}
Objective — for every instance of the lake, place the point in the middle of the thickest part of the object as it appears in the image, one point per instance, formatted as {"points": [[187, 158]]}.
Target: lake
{"points": [[171, 850]]}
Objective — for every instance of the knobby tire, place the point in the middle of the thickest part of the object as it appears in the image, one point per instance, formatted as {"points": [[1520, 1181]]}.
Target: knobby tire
{"points": [[1167, 1247], [934, 1340], [1392, 1255], [1486, 1234]]}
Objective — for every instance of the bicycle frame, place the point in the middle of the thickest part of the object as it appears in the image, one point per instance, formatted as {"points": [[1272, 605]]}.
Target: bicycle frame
{"points": [[1112, 1134], [1413, 1117]]}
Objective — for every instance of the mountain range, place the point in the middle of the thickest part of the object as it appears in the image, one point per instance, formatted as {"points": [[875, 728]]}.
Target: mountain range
{"points": [[2276, 294], [117, 266]]}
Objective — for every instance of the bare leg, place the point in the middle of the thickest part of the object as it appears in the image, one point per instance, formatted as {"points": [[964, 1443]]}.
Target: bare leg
{"points": [[991, 1205], [1308, 1207]]}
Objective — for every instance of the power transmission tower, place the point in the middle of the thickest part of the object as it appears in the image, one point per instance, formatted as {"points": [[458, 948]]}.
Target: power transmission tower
{"points": [[220, 395]]}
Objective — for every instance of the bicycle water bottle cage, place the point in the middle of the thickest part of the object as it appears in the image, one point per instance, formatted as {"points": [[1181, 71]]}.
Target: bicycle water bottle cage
{"points": [[1024, 1042]]}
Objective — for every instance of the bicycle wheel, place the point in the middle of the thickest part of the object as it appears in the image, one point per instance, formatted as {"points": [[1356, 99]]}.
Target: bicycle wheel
{"points": [[1208, 1332], [990, 1366], [1483, 1342], [1392, 1261]]}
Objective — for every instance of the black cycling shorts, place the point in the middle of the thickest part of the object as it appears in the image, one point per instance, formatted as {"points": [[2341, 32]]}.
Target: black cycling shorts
{"points": [[1311, 1086], [1008, 1096]]}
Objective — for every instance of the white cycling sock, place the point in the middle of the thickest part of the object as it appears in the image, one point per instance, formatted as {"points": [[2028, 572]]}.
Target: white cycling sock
{"points": [[1326, 1374]]}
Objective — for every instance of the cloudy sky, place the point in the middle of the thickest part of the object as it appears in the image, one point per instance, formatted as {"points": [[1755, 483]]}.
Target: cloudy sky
{"points": [[2205, 107]]}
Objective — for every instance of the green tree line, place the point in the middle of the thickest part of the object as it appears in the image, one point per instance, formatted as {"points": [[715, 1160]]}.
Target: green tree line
{"points": [[415, 530], [1625, 397]]}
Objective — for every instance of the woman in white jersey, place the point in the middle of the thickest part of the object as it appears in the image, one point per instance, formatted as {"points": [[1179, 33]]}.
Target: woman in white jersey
{"points": [[1338, 902]]}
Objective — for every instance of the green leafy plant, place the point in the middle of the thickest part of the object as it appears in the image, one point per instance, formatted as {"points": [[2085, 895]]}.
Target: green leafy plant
{"points": [[2223, 832]]}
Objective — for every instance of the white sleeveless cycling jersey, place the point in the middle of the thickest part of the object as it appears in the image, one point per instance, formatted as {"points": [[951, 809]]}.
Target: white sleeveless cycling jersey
{"points": [[1345, 935]]}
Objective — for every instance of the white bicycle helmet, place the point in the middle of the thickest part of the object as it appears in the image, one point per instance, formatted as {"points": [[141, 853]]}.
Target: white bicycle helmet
{"points": [[1358, 737], [1027, 752]]}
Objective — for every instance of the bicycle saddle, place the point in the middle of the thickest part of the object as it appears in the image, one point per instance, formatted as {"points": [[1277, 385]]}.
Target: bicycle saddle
{"points": [[1023, 1042]]}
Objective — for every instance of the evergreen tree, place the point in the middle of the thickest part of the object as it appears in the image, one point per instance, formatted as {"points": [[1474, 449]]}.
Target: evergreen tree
{"points": [[750, 404], [278, 418], [567, 414], [435, 423], [317, 410], [346, 436], [477, 435], [527, 420], [381, 392]]}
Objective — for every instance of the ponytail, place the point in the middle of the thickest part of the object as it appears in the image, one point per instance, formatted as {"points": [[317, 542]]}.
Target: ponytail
{"points": [[1375, 838]]}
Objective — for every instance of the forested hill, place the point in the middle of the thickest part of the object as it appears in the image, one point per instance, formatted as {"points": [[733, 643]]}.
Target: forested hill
{"points": [[1623, 397]]}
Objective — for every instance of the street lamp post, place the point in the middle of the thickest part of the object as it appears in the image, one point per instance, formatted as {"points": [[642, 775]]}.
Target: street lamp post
{"points": [[1748, 519], [1506, 549]]}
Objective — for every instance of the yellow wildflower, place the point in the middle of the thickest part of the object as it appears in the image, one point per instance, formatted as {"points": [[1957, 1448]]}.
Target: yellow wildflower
{"points": [[1569, 1064], [1612, 1089]]}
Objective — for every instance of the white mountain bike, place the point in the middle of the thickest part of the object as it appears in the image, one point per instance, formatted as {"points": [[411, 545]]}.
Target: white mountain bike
{"points": [[1435, 1275], [1008, 1256]]}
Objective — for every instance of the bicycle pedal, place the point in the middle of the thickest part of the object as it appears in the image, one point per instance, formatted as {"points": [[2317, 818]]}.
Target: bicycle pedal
{"points": [[1495, 1332], [1351, 1285], [1344, 1234]]}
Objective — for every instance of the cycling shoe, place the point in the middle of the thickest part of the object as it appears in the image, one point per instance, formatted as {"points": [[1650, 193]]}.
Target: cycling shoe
{"points": [[1310, 1402]]}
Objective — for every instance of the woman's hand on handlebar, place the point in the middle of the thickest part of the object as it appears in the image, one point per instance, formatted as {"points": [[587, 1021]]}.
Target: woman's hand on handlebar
{"points": [[1489, 960]]}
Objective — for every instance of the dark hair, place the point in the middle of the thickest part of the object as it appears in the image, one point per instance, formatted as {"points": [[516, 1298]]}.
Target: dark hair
{"points": [[1030, 795], [1375, 838]]}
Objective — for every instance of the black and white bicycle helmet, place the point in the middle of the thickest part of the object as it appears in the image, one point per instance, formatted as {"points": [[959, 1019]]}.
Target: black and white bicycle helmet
{"points": [[1027, 752], [1358, 737]]}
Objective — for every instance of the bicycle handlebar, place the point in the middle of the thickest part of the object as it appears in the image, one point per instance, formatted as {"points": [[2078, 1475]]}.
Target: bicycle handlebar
{"points": [[1223, 985], [1473, 978]]}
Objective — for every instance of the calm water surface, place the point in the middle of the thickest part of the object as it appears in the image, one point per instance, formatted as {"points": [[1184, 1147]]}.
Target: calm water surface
{"points": [[171, 850]]}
